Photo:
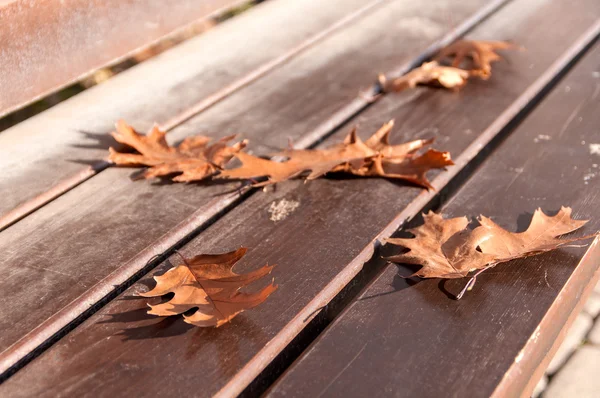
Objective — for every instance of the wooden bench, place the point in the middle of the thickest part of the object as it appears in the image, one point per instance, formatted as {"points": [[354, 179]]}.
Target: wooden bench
{"points": [[80, 238]]}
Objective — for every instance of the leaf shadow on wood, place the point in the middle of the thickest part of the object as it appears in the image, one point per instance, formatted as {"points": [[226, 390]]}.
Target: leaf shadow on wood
{"points": [[224, 343], [402, 280], [539, 275], [99, 141], [167, 180], [227, 341], [152, 327], [340, 176], [398, 284], [103, 141]]}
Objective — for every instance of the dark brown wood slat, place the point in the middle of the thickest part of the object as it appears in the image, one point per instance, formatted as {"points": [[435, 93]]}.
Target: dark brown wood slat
{"points": [[403, 340], [135, 221], [46, 45], [331, 213], [183, 81]]}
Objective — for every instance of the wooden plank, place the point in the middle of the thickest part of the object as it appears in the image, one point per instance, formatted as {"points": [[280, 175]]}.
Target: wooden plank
{"points": [[403, 340], [46, 45], [331, 215], [137, 221], [167, 89]]}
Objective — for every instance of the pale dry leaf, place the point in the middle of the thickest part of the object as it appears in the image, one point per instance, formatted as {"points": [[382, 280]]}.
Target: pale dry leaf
{"points": [[208, 283], [429, 73], [481, 53], [193, 159]]}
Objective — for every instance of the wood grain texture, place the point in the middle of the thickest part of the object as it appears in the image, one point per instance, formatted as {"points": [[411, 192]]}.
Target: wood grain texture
{"points": [[46, 45], [406, 339], [332, 214], [136, 220], [199, 72]]}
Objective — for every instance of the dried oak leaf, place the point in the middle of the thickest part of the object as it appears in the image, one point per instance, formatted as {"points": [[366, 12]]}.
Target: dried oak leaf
{"points": [[446, 248], [207, 282], [380, 143], [428, 73], [411, 169], [374, 157], [194, 159], [481, 53], [317, 161], [398, 161]]}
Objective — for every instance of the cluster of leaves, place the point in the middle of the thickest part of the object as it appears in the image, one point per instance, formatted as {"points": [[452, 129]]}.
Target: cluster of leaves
{"points": [[195, 160], [447, 248], [207, 291]]}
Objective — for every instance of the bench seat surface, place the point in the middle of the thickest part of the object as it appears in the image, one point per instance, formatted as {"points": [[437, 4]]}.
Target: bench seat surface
{"points": [[90, 334]]}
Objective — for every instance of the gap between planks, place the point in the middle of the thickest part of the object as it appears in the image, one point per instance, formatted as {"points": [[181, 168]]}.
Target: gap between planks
{"points": [[51, 330], [69, 183]]}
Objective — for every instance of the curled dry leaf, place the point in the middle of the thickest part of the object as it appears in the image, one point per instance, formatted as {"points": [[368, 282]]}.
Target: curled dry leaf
{"points": [[193, 159], [207, 282], [374, 157], [317, 161], [428, 73], [481, 53], [411, 169], [446, 248]]}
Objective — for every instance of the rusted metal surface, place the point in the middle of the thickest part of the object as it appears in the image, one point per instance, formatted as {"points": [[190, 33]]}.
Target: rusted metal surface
{"points": [[412, 339], [194, 77], [110, 202], [317, 244], [46, 45]]}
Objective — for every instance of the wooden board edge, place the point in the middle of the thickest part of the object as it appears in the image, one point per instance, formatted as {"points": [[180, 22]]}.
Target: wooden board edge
{"points": [[531, 362]]}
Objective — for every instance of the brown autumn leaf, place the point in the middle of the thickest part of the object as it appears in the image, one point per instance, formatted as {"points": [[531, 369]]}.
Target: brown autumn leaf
{"points": [[481, 53], [411, 169], [317, 161], [193, 159], [430, 73], [446, 248], [374, 157], [398, 161], [207, 282]]}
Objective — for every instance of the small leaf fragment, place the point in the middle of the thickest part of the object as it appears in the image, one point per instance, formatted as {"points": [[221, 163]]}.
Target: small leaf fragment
{"points": [[429, 73]]}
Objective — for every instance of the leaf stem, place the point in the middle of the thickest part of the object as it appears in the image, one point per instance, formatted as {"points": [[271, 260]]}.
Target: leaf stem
{"points": [[470, 283]]}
